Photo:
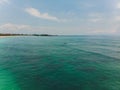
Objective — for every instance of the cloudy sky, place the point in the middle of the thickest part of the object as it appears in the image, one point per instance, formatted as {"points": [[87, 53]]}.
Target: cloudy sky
{"points": [[71, 17]]}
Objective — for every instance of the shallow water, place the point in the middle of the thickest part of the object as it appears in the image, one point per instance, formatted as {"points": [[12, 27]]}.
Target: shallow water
{"points": [[60, 63]]}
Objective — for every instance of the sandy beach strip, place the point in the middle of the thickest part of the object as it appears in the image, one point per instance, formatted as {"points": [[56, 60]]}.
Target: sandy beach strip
{"points": [[4, 36]]}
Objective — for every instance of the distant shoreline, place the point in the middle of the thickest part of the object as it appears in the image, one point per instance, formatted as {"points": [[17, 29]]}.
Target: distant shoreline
{"points": [[5, 35]]}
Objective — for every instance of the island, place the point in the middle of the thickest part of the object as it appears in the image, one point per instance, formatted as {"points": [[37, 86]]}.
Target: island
{"points": [[8, 34]]}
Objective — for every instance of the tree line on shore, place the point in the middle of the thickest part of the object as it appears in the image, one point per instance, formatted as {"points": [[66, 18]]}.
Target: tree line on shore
{"points": [[8, 34]]}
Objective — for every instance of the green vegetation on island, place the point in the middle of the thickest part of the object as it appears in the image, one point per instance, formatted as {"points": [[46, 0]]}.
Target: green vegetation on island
{"points": [[8, 34]]}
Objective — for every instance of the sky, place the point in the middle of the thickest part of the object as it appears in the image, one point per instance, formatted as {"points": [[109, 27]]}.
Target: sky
{"points": [[61, 17]]}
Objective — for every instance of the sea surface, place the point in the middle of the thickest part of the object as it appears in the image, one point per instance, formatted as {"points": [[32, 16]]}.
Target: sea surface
{"points": [[60, 63]]}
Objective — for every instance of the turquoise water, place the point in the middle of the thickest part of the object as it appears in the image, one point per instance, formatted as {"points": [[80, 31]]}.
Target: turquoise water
{"points": [[60, 63]]}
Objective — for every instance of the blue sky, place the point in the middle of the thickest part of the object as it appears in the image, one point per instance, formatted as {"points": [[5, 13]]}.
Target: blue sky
{"points": [[69, 17]]}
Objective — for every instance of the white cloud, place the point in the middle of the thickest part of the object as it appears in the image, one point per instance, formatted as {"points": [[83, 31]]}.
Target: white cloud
{"points": [[95, 20], [95, 17], [10, 26], [34, 12], [22, 28], [4, 1], [117, 18], [118, 5], [102, 31]]}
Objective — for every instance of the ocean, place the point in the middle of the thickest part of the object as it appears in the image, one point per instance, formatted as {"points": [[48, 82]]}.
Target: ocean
{"points": [[60, 63]]}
